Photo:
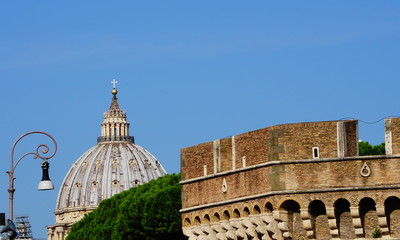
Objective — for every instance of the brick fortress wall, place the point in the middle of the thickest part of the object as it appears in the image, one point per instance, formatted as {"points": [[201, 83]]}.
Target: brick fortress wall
{"points": [[283, 143], [303, 161]]}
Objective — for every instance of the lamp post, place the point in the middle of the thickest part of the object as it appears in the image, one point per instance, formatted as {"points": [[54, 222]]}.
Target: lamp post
{"points": [[45, 184]]}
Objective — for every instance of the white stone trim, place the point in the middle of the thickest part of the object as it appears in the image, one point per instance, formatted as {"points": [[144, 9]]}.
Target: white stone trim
{"points": [[341, 139], [233, 153], [217, 153], [388, 136]]}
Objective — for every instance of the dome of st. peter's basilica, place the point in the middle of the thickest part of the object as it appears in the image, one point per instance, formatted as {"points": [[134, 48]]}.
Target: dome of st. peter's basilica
{"points": [[115, 164]]}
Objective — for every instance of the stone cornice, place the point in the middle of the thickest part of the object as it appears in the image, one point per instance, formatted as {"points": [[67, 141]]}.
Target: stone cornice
{"points": [[274, 193], [75, 209]]}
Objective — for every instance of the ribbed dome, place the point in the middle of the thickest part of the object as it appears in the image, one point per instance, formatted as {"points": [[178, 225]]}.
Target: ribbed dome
{"points": [[115, 164], [104, 170]]}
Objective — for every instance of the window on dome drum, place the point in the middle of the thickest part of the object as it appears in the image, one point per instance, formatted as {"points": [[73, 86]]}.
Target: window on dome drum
{"points": [[315, 152], [115, 183], [136, 183]]}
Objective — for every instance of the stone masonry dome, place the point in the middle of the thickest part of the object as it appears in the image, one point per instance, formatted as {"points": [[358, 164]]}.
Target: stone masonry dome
{"points": [[115, 164]]}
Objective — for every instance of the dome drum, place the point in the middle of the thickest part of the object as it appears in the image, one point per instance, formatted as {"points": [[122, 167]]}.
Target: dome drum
{"points": [[116, 139]]}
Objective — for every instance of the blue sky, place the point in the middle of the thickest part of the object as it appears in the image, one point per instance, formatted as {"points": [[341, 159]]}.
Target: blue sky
{"points": [[188, 72]]}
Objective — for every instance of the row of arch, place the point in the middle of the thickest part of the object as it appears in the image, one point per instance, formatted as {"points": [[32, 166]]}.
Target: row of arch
{"points": [[317, 221]]}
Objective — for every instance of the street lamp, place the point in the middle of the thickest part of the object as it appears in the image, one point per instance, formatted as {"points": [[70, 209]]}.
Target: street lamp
{"points": [[45, 183]]}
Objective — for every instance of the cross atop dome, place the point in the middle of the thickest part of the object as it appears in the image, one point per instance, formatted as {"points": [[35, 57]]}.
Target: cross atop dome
{"points": [[114, 82], [114, 91]]}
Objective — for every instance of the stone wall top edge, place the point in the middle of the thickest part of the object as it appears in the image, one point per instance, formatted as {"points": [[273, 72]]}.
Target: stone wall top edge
{"points": [[280, 126], [285, 162], [394, 117]]}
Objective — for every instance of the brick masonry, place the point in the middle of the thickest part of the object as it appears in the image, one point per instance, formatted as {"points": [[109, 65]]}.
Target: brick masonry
{"points": [[276, 143], [279, 163]]}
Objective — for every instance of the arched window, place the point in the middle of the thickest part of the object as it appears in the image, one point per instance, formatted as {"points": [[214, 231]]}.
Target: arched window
{"points": [[368, 216], [236, 214], [290, 212], [319, 219], [186, 222], [344, 221], [216, 217], [315, 152], [246, 212], [197, 220], [226, 215], [268, 207], [392, 212], [256, 210], [206, 219]]}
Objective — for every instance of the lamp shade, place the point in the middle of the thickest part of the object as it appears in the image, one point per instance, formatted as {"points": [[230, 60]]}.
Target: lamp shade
{"points": [[46, 183]]}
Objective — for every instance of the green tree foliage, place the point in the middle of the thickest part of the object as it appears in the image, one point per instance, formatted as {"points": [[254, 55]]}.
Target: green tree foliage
{"points": [[366, 149], [146, 212]]}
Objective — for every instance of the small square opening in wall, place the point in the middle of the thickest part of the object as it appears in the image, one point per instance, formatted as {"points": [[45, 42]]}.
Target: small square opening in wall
{"points": [[315, 152]]}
